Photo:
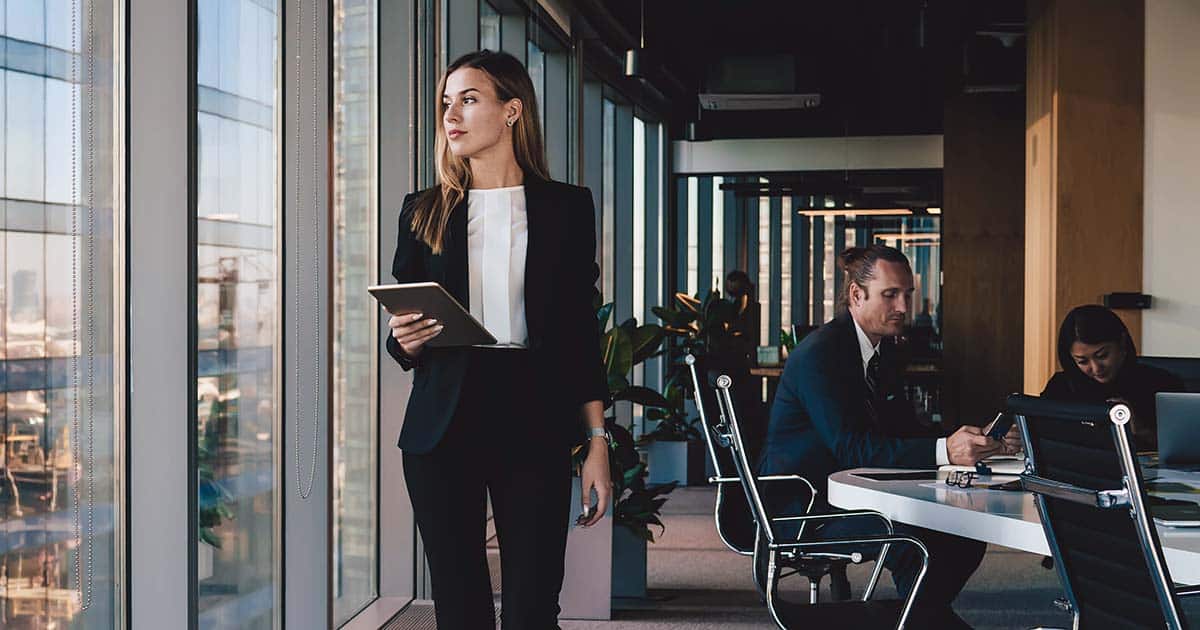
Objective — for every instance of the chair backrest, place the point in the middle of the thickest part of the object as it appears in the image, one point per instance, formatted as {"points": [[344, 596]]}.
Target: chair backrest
{"points": [[733, 519], [1089, 493], [731, 437], [719, 466]]}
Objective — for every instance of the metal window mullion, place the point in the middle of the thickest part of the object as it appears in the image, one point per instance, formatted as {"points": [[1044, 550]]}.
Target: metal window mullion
{"points": [[801, 294], [306, 524], [160, 538]]}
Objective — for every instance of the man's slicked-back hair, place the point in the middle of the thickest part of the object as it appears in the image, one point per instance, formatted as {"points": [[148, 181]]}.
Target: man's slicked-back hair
{"points": [[858, 266]]}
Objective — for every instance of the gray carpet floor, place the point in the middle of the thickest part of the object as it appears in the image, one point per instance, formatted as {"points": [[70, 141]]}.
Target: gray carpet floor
{"points": [[696, 583]]}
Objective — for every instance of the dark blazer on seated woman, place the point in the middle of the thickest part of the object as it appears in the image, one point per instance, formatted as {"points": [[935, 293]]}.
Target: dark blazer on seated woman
{"points": [[1124, 377], [564, 338]]}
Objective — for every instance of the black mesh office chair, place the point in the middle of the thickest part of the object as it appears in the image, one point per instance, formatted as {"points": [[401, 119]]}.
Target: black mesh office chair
{"points": [[1089, 493], [784, 555], [735, 520]]}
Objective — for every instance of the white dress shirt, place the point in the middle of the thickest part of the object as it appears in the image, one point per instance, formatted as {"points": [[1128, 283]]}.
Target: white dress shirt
{"points": [[868, 351], [497, 239]]}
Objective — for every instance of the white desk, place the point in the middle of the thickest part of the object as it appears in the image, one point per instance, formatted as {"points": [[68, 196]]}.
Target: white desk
{"points": [[1000, 517]]}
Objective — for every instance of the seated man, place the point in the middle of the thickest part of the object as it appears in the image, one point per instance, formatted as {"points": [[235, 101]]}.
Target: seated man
{"points": [[841, 405]]}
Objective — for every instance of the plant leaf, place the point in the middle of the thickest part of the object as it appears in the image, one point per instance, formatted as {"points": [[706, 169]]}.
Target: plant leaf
{"points": [[646, 341], [602, 316], [642, 396]]}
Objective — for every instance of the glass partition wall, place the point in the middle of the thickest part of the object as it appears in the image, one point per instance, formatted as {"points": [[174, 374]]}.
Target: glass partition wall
{"points": [[788, 245], [60, 302]]}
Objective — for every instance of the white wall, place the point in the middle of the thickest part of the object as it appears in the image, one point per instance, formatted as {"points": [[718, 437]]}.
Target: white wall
{"points": [[1172, 194]]}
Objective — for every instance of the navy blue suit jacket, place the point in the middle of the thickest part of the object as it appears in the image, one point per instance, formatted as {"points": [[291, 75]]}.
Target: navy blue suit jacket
{"points": [[564, 338], [821, 422]]}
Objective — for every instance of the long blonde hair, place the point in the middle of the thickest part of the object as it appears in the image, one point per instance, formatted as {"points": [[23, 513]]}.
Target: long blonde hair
{"points": [[431, 212]]}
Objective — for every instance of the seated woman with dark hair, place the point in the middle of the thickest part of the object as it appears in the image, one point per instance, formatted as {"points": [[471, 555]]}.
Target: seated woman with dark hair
{"points": [[1099, 363]]}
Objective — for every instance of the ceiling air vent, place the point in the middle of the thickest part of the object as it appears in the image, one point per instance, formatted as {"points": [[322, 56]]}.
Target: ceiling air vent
{"points": [[753, 102]]}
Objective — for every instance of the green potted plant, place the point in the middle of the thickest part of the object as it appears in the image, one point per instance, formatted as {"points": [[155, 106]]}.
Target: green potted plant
{"points": [[704, 327], [636, 502]]}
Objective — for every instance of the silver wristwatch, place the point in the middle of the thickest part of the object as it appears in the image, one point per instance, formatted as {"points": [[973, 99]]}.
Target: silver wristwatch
{"points": [[595, 432]]}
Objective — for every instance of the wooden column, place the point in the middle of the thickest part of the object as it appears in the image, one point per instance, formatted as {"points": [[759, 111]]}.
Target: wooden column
{"points": [[1083, 166], [983, 240]]}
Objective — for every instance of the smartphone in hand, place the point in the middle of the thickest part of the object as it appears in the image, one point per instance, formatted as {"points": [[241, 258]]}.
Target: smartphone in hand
{"points": [[999, 426]]}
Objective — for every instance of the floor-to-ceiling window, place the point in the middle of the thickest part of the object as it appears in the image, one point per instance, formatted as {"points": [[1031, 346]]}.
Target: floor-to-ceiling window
{"points": [[237, 318], [793, 242], [355, 342], [639, 219], [693, 237], [59, 338], [608, 199], [489, 26], [763, 290], [718, 238], [536, 64]]}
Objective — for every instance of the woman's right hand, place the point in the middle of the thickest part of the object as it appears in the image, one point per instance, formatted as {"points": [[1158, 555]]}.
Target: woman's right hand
{"points": [[411, 332]]}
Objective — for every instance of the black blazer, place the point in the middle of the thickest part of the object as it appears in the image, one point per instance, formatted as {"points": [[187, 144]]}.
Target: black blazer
{"points": [[821, 421], [560, 284], [1136, 383]]}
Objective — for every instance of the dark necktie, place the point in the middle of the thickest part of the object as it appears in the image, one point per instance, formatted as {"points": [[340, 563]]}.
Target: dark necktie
{"points": [[872, 378], [873, 375]]}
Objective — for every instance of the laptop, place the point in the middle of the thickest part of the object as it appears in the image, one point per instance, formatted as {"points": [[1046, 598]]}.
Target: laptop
{"points": [[1178, 429]]}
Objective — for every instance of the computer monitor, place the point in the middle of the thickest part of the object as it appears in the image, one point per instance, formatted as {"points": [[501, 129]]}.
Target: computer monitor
{"points": [[1178, 428]]}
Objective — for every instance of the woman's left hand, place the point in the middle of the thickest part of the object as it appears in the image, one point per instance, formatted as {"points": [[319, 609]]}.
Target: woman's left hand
{"points": [[596, 476]]}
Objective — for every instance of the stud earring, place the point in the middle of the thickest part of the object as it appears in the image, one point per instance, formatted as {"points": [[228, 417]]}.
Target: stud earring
{"points": [[511, 122]]}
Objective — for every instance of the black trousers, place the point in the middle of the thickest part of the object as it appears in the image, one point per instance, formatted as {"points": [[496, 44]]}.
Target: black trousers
{"points": [[952, 561], [499, 443]]}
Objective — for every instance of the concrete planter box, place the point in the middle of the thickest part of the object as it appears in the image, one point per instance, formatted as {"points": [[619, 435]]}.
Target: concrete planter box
{"points": [[628, 564], [204, 560], [682, 461], [588, 581]]}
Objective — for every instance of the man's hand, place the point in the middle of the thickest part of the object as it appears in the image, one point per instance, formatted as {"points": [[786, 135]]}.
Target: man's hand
{"points": [[968, 445], [1012, 440]]}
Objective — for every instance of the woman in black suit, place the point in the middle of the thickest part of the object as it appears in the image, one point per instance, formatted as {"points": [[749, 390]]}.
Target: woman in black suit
{"points": [[1099, 363], [518, 250]]}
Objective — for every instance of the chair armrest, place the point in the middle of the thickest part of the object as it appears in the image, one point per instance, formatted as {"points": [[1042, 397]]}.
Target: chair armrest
{"points": [[832, 516], [765, 478], [855, 540], [1105, 499], [1184, 591]]}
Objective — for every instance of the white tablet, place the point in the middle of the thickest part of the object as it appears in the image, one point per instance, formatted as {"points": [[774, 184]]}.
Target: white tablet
{"points": [[434, 301]]}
